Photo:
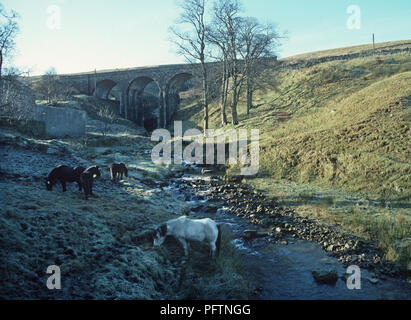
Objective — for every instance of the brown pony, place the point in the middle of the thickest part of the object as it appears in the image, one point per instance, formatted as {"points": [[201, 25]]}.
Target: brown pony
{"points": [[117, 171], [62, 175]]}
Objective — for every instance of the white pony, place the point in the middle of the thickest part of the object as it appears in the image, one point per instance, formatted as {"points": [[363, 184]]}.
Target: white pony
{"points": [[184, 229]]}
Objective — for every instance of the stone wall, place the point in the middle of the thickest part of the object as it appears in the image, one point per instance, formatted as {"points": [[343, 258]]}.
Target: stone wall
{"points": [[33, 128], [17, 103], [61, 122], [293, 65]]}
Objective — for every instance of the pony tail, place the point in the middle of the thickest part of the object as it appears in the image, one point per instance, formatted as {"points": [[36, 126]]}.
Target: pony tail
{"points": [[218, 242]]}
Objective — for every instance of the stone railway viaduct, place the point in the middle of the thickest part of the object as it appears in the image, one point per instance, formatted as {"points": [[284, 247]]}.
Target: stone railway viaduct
{"points": [[130, 84]]}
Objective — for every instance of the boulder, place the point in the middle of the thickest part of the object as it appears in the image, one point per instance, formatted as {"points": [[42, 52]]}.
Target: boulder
{"points": [[325, 276], [211, 208], [254, 234]]}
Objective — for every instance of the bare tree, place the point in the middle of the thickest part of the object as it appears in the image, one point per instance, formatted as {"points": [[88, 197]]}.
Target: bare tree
{"points": [[257, 41], [226, 16], [242, 43], [50, 80], [192, 43], [8, 31], [15, 97], [108, 117], [49, 86], [217, 37]]}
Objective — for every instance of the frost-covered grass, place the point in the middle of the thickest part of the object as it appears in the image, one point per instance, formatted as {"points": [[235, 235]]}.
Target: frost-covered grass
{"points": [[104, 245]]}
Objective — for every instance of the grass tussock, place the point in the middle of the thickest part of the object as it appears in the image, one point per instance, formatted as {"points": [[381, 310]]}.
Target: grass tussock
{"points": [[392, 233], [222, 278]]}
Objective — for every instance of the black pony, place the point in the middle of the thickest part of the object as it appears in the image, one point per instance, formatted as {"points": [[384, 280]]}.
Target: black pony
{"points": [[86, 179], [64, 174]]}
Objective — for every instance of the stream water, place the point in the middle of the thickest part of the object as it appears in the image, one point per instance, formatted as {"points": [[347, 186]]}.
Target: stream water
{"points": [[284, 271]]}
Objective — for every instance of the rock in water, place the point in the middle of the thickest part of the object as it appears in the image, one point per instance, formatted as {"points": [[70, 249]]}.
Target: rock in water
{"points": [[254, 234], [211, 208], [325, 276]]}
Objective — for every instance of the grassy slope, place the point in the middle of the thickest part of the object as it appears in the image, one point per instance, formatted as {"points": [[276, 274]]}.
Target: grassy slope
{"points": [[103, 245], [348, 126], [363, 145], [351, 50], [341, 130]]}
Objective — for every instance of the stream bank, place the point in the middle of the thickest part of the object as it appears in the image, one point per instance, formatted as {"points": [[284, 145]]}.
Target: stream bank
{"points": [[286, 249]]}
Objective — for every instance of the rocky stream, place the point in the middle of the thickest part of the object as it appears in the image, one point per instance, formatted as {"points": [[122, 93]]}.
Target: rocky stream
{"points": [[287, 256]]}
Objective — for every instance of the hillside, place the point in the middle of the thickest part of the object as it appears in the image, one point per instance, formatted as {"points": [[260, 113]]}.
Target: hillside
{"points": [[335, 140], [351, 50], [340, 123]]}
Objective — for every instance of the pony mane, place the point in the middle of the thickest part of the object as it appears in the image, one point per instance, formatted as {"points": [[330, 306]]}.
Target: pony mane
{"points": [[94, 170]]}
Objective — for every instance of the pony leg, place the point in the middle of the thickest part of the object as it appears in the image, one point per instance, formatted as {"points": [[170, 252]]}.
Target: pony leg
{"points": [[63, 184], [85, 187], [185, 246], [213, 250]]}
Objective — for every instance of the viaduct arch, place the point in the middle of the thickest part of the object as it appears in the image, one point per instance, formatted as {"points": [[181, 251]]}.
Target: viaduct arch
{"points": [[148, 96]]}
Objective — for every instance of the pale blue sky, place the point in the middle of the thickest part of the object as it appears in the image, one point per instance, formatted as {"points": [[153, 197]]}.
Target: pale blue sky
{"points": [[107, 34]]}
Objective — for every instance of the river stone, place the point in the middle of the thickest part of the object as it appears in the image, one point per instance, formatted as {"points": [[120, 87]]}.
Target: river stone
{"points": [[325, 276], [197, 208], [253, 234], [211, 208]]}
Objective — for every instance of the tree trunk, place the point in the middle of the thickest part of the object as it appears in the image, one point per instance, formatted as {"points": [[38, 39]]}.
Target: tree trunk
{"points": [[234, 92], [205, 98], [234, 101], [1, 62], [249, 95], [224, 95], [205, 116], [234, 109]]}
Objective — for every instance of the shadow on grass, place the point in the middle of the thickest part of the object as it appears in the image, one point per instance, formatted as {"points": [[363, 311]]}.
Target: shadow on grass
{"points": [[202, 277]]}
